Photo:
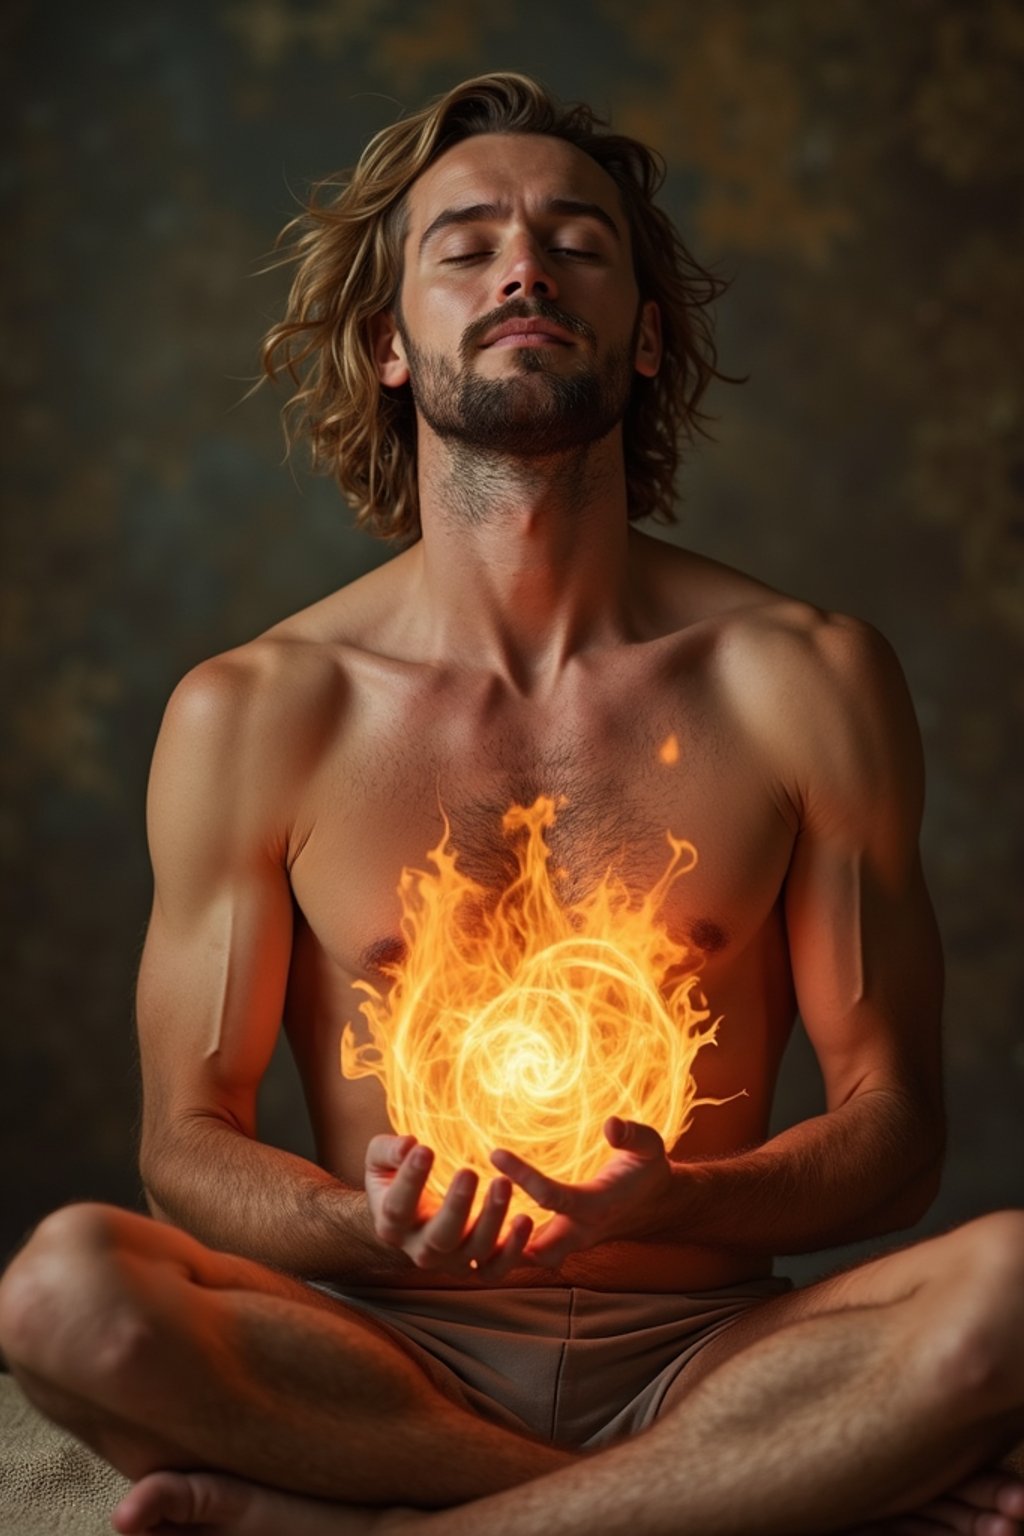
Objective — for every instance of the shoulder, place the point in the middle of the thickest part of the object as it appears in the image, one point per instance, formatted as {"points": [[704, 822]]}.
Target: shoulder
{"points": [[267, 692], [244, 731], [286, 679], [236, 733], [833, 659], [818, 697], [826, 694], [242, 734], [767, 638], [799, 675]]}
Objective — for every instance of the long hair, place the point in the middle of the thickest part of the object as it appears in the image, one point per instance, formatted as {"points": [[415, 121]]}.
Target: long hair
{"points": [[348, 247]]}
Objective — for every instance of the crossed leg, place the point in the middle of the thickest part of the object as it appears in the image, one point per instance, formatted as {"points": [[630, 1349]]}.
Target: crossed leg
{"points": [[847, 1403], [161, 1353]]}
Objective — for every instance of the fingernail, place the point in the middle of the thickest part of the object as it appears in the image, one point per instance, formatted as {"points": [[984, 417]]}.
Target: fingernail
{"points": [[421, 1157]]}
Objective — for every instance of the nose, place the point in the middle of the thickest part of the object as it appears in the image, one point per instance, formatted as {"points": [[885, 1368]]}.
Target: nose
{"points": [[526, 273]]}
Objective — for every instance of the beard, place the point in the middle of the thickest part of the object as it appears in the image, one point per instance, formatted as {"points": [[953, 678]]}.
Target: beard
{"points": [[540, 414]]}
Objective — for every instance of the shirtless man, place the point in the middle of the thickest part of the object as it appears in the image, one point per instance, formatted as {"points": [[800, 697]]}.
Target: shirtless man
{"points": [[532, 640]]}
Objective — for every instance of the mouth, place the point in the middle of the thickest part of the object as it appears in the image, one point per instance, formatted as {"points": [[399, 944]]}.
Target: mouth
{"points": [[527, 333]]}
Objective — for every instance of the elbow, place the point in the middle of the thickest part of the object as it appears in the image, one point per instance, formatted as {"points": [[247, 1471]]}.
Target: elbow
{"points": [[156, 1170], [175, 1160], [921, 1195], [921, 1152], [926, 1186], [159, 1151], [918, 1195], [155, 1209], [166, 1155]]}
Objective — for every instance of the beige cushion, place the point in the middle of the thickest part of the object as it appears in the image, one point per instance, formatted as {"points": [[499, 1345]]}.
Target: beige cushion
{"points": [[50, 1483]]}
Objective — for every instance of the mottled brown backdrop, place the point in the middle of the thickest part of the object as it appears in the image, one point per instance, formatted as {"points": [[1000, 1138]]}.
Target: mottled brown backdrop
{"points": [[855, 167]]}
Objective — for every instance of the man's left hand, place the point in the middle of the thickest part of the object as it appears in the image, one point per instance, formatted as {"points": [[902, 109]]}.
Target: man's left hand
{"points": [[624, 1201]]}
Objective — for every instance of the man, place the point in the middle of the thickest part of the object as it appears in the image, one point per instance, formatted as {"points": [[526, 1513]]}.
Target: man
{"points": [[505, 340]]}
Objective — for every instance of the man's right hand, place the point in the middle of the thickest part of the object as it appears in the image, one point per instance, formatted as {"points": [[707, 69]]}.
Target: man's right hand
{"points": [[438, 1238]]}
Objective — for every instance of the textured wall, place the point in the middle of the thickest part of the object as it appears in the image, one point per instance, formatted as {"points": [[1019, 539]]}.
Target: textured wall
{"points": [[855, 167]]}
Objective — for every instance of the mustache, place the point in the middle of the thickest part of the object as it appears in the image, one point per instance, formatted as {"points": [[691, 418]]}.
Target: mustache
{"points": [[522, 309]]}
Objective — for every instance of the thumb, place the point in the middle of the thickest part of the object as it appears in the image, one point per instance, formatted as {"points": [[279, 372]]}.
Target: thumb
{"points": [[633, 1136]]}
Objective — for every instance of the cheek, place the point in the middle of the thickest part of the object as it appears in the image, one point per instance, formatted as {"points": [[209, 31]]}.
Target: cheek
{"points": [[448, 308]]}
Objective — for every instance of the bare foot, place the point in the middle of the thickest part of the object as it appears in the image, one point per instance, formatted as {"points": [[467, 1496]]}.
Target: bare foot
{"points": [[214, 1504], [988, 1504]]}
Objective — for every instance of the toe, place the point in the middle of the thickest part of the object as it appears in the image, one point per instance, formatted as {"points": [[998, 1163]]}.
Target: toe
{"points": [[148, 1503], [178, 1499]]}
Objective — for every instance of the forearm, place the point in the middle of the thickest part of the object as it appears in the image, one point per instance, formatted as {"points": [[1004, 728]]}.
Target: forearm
{"points": [[865, 1168], [241, 1196]]}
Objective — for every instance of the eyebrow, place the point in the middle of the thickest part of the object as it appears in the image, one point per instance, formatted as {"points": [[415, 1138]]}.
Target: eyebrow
{"points": [[476, 213]]}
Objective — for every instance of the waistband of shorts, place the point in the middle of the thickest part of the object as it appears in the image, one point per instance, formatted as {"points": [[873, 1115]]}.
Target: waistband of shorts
{"points": [[543, 1309], [762, 1287]]}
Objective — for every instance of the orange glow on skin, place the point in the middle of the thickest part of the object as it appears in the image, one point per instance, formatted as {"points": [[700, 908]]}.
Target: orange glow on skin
{"points": [[668, 752], [518, 1021]]}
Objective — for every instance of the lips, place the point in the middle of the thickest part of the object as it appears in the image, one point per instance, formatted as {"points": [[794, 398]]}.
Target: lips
{"points": [[534, 333]]}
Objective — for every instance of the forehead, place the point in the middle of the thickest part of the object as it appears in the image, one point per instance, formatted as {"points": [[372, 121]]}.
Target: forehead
{"points": [[511, 168]]}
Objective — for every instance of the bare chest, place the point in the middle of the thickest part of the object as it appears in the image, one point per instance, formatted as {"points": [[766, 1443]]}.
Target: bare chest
{"points": [[628, 769]]}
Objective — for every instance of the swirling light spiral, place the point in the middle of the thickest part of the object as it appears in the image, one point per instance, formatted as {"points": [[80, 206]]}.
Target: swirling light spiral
{"points": [[517, 1021]]}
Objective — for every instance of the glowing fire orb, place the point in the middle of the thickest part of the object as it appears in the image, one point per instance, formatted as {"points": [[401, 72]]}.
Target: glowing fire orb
{"points": [[518, 1021]]}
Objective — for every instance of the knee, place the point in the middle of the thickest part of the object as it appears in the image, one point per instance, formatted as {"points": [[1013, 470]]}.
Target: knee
{"points": [[988, 1256], [64, 1301], [981, 1351]]}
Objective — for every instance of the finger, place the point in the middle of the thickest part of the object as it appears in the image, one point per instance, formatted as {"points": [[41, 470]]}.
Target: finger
{"points": [[988, 1504], [443, 1233], [385, 1152], [548, 1193], [484, 1235], [999, 1491], [554, 1242], [401, 1203], [511, 1252], [633, 1136], [993, 1524], [949, 1514]]}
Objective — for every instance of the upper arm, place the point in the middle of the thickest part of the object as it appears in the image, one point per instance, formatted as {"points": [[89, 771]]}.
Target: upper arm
{"points": [[215, 963], [864, 944]]}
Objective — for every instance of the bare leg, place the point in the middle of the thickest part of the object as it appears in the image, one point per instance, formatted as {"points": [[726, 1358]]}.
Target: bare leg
{"points": [[985, 1506], [161, 1353], [863, 1398]]}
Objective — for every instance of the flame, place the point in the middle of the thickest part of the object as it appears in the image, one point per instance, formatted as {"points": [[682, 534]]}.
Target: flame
{"points": [[518, 1021], [668, 752]]}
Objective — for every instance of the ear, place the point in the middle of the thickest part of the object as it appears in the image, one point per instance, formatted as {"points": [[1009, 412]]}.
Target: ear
{"points": [[648, 346], [388, 351]]}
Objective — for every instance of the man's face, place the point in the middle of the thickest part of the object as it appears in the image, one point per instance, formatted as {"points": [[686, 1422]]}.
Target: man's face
{"points": [[519, 329]]}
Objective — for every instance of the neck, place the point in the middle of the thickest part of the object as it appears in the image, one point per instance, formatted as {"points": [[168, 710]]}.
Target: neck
{"points": [[523, 561]]}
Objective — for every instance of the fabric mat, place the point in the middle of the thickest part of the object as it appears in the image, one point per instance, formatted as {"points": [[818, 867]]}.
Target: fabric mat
{"points": [[50, 1483]]}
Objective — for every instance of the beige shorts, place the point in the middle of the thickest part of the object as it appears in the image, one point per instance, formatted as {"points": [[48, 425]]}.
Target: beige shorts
{"points": [[575, 1367]]}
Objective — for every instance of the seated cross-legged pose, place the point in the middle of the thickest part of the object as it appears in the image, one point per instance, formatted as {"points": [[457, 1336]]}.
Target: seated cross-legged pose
{"points": [[504, 342]]}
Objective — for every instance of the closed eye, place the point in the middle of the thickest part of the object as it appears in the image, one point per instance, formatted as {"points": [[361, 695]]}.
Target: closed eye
{"points": [[557, 250]]}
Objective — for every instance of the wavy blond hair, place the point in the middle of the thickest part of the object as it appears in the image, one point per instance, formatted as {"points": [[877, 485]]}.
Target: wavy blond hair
{"points": [[348, 246]]}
